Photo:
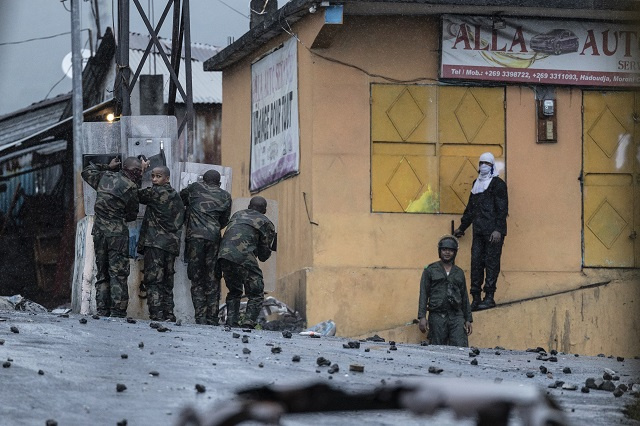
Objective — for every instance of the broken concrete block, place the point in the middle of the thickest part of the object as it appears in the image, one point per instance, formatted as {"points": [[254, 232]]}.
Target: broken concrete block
{"points": [[591, 383], [321, 361], [608, 386]]}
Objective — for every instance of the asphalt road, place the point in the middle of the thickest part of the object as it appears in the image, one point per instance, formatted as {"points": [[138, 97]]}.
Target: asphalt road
{"points": [[64, 370]]}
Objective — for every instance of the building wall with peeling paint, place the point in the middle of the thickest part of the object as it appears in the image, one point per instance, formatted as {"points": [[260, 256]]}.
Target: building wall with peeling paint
{"points": [[338, 260]]}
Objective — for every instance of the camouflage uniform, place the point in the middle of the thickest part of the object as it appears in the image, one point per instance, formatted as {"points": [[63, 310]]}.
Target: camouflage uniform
{"points": [[116, 203], [249, 234], [208, 211], [445, 297], [160, 244]]}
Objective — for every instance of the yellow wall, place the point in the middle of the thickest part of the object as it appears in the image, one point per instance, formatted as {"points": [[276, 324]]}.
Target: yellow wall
{"points": [[591, 321], [362, 269]]}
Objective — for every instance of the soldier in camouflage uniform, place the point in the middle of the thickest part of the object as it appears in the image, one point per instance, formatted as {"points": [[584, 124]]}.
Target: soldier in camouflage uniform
{"points": [[208, 210], [443, 292], [116, 203], [160, 242], [250, 234]]}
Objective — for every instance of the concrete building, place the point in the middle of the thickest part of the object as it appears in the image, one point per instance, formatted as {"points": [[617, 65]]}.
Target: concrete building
{"points": [[365, 120]]}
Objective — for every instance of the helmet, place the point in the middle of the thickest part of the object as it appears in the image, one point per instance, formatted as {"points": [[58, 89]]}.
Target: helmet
{"points": [[448, 241]]}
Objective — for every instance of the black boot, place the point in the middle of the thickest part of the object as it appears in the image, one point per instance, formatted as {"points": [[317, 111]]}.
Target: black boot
{"points": [[487, 303], [233, 313], [475, 302]]}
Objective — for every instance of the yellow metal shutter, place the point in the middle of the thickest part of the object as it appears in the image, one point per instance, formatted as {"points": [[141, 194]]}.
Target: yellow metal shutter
{"points": [[403, 157], [470, 122], [610, 186]]}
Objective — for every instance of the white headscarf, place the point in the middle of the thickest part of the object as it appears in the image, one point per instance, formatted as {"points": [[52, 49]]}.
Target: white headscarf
{"points": [[485, 176]]}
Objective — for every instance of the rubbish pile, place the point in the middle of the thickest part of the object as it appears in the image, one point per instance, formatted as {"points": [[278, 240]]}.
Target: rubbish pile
{"points": [[274, 316], [19, 303]]}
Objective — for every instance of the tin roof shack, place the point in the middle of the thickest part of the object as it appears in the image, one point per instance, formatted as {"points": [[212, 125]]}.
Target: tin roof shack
{"points": [[365, 121], [36, 201], [36, 189]]}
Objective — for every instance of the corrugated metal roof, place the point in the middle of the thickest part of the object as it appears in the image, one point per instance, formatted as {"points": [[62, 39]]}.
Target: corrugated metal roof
{"points": [[206, 86], [199, 51], [27, 121]]}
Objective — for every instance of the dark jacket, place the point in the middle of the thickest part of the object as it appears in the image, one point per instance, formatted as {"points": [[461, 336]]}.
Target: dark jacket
{"points": [[163, 218], [488, 210], [440, 292], [208, 210], [116, 200], [248, 235]]}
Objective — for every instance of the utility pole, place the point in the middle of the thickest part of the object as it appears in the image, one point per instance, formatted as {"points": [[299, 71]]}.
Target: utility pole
{"points": [[123, 73], [76, 67]]}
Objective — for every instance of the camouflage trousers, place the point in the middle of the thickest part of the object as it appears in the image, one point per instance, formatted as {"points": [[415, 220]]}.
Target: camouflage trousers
{"points": [[238, 278], [112, 262], [447, 328], [201, 256], [158, 278]]}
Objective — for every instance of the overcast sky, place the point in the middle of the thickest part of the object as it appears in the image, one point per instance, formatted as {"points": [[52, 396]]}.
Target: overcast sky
{"points": [[31, 71]]}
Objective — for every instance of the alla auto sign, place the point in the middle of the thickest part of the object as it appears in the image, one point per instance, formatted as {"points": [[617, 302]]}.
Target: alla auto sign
{"points": [[540, 51]]}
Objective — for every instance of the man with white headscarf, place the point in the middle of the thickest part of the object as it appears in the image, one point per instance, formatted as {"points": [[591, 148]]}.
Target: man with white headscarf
{"points": [[487, 211]]}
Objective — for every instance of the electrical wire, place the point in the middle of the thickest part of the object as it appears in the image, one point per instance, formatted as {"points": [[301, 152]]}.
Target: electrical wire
{"points": [[264, 8], [64, 74], [64, 5], [39, 38], [232, 8], [338, 61]]}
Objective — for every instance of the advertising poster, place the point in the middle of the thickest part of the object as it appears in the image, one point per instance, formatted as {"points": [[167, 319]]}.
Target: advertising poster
{"points": [[540, 51], [275, 141]]}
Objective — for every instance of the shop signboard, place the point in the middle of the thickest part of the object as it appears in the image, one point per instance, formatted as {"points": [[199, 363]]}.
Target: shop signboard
{"points": [[537, 51], [275, 143]]}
